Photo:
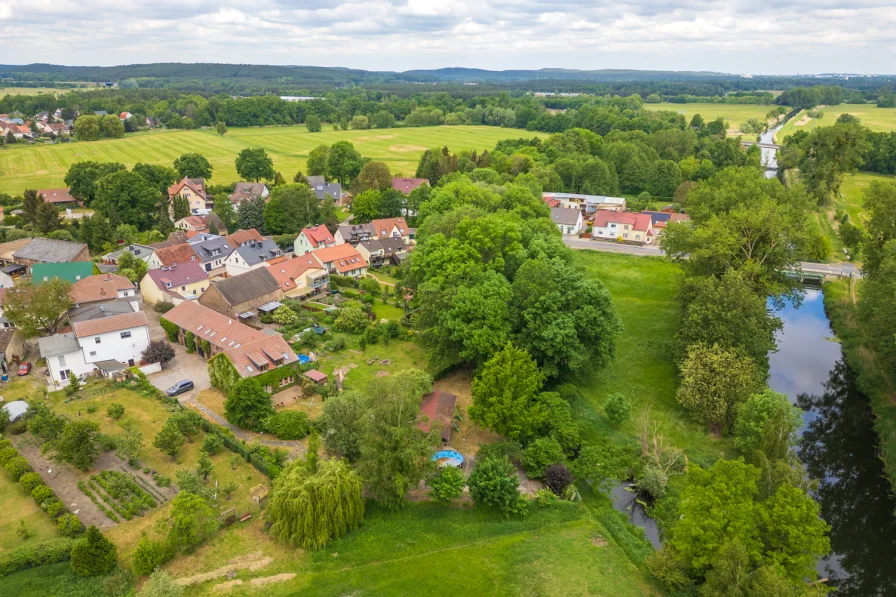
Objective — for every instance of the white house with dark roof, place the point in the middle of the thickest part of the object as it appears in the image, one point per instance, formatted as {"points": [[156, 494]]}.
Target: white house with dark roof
{"points": [[568, 220], [250, 256]]}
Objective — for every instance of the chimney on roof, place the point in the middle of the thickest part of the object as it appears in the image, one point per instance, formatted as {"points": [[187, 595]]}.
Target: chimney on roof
{"points": [[108, 277]]}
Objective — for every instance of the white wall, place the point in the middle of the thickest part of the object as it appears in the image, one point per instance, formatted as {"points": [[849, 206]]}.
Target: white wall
{"points": [[113, 347], [74, 362]]}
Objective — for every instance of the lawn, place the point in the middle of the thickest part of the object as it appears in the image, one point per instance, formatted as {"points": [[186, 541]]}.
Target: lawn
{"points": [[876, 119], [403, 354], [44, 166], [733, 113], [643, 290], [14, 499], [4, 91]]}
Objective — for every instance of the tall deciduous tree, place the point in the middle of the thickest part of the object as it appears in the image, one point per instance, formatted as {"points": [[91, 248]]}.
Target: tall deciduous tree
{"points": [[82, 177], [291, 207], [880, 205], [251, 214], [312, 123], [160, 177], [36, 309], [344, 162], [112, 127], [169, 439], [87, 128], [126, 198], [193, 165], [77, 445], [319, 161], [255, 164], [342, 424], [248, 405], [93, 555], [314, 502], [495, 484], [224, 209], [192, 521], [373, 175]]}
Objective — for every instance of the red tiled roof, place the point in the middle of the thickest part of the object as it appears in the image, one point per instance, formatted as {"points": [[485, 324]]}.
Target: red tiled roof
{"points": [[56, 195], [220, 330], [318, 235], [406, 185], [102, 287], [104, 325], [286, 271], [242, 236], [344, 258], [268, 351], [176, 254], [174, 189], [636, 221], [383, 228], [437, 407], [315, 375]]}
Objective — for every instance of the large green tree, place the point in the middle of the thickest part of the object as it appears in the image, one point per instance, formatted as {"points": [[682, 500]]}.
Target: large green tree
{"points": [[93, 555], [36, 310], [342, 424], [82, 177], [318, 161], [495, 484], [290, 208], [193, 165], [77, 444], [127, 198], [255, 164], [250, 214], [880, 206], [160, 177], [192, 521], [373, 175], [87, 128], [344, 163], [248, 405]]}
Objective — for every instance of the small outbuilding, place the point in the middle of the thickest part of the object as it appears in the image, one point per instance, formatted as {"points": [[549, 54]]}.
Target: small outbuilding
{"points": [[316, 376], [16, 409]]}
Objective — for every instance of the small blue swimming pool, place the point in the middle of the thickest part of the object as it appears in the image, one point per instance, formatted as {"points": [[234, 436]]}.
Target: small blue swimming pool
{"points": [[448, 458], [304, 358]]}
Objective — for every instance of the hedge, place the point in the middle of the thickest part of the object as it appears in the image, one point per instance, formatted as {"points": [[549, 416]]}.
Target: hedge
{"points": [[17, 467], [343, 281], [40, 554], [170, 328], [223, 375]]}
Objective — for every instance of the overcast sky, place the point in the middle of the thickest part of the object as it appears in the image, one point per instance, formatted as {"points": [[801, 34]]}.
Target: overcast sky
{"points": [[739, 36]]}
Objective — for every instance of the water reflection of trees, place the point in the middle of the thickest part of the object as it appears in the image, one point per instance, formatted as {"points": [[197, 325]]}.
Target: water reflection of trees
{"points": [[839, 447]]}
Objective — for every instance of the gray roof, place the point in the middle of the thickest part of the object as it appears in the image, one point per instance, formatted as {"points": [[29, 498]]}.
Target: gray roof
{"points": [[100, 113], [354, 232], [105, 268], [205, 250], [565, 216], [246, 287], [313, 181], [324, 189], [53, 346], [107, 309], [110, 366], [259, 251], [49, 250], [247, 190], [143, 252], [389, 246]]}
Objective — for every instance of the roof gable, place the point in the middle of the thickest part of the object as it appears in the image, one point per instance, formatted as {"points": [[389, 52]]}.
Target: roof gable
{"points": [[246, 287]]}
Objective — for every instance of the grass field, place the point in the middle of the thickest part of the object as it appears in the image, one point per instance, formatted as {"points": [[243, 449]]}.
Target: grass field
{"points": [[733, 113], [44, 166], [876, 119], [13, 498], [4, 91], [643, 290]]}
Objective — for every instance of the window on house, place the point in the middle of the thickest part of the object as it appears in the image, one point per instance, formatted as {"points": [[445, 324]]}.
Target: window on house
{"points": [[64, 374], [62, 361], [125, 335], [93, 353], [97, 340]]}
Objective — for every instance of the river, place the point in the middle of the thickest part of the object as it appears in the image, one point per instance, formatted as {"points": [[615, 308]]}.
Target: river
{"points": [[838, 446], [769, 155]]}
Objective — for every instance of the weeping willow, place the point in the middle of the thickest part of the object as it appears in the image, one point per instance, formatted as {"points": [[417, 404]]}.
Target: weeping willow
{"points": [[313, 503]]}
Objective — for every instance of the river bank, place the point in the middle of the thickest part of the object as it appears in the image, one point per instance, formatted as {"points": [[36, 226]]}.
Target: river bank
{"points": [[841, 310]]}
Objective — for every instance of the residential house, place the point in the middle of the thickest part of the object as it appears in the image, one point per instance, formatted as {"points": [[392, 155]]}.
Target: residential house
{"points": [[71, 272], [10, 273], [141, 252], [172, 255], [251, 351], [107, 345], [587, 204], [343, 260], [125, 116], [624, 226], [191, 224], [661, 219], [353, 233], [12, 348], [241, 296], [8, 250], [311, 238], [569, 221], [406, 185], [48, 250], [98, 310], [58, 113], [244, 191], [4, 117], [379, 252], [193, 190], [4, 322], [104, 288], [324, 189], [42, 116], [54, 128], [437, 411], [244, 237], [251, 255], [58, 197], [19, 131], [300, 277], [391, 228], [187, 281], [213, 253]]}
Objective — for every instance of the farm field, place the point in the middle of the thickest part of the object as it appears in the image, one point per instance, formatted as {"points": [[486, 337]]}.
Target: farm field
{"points": [[876, 119], [4, 91], [733, 113], [643, 290], [44, 166]]}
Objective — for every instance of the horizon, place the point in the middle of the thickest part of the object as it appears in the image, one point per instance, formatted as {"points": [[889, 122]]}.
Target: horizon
{"points": [[815, 37]]}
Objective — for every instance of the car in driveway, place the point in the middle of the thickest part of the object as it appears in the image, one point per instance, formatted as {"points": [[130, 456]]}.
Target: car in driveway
{"points": [[180, 387], [24, 368]]}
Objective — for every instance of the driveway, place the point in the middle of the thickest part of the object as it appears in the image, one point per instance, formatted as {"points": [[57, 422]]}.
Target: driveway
{"points": [[183, 366]]}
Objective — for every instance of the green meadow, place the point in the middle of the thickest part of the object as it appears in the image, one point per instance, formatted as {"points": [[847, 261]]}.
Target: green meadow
{"points": [[876, 119], [733, 113], [44, 166]]}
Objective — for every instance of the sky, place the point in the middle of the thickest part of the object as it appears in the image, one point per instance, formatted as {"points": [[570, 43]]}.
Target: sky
{"points": [[734, 36]]}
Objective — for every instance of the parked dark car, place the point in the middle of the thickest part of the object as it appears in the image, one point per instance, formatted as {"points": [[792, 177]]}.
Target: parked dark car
{"points": [[24, 368], [180, 387]]}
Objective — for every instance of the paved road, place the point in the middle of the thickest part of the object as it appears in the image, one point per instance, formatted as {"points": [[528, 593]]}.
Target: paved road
{"points": [[828, 269]]}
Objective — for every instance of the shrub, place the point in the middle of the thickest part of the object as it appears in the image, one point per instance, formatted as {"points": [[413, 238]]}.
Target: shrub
{"points": [[618, 409], [29, 481], [17, 428], [163, 481], [163, 307], [351, 319], [494, 484], [106, 443], [69, 525], [336, 344], [93, 555], [545, 497], [7, 454], [23, 558], [508, 449], [289, 425], [149, 555], [541, 454], [557, 477], [53, 507], [41, 493], [447, 484], [16, 467], [115, 410], [91, 409], [213, 443], [652, 481]]}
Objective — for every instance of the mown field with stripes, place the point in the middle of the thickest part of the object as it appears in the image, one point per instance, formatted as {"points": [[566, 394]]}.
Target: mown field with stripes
{"points": [[44, 166]]}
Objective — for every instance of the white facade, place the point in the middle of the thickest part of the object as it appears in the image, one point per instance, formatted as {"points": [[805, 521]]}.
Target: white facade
{"points": [[123, 346], [235, 265]]}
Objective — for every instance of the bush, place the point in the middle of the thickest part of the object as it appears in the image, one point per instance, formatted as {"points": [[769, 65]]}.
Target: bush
{"points": [[91, 409], [541, 454], [163, 481], [618, 409], [53, 507], [23, 558], [7, 454], [149, 555], [508, 449], [16, 467], [545, 497], [69, 525], [652, 481], [351, 319], [336, 344], [447, 484], [17, 428], [494, 484], [213, 443], [557, 477], [289, 425], [29, 481], [41, 493], [115, 410], [93, 555], [163, 307]]}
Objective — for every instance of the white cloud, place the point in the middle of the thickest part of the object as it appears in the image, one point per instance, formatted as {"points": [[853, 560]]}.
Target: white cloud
{"points": [[729, 35]]}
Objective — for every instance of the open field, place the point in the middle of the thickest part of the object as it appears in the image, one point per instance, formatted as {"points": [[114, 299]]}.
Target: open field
{"points": [[4, 91], [733, 113], [876, 119], [643, 290], [44, 166]]}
